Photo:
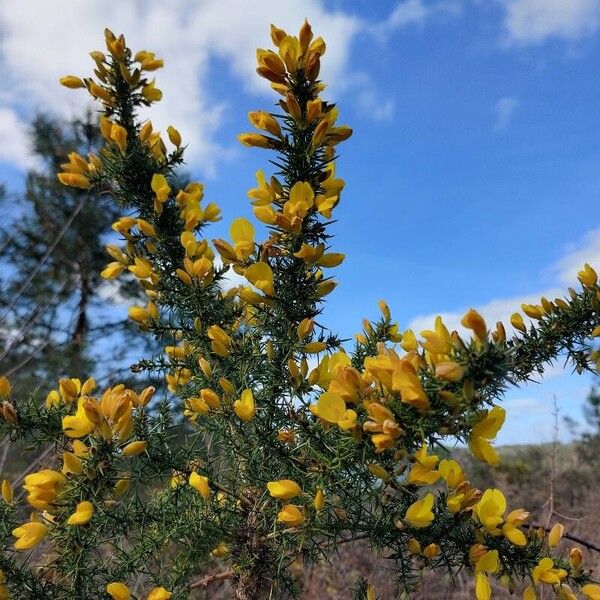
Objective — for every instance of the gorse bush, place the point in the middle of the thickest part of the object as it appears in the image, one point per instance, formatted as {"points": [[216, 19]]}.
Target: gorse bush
{"points": [[291, 444]]}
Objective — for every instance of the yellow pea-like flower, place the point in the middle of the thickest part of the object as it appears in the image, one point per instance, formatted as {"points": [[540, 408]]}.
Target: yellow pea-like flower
{"points": [[331, 407], [474, 321], [260, 275], [284, 489], [117, 590], [135, 448], [242, 234], [118, 135], [588, 276], [29, 535], [516, 320], [151, 92], [529, 593], [591, 591], [112, 270], [555, 535], [160, 187], [449, 371], [291, 515], [72, 464], [159, 593], [5, 387], [76, 180], [319, 500], [483, 589], [488, 562], [7, 491], [82, 515], [174, 136], [72, 82], [200, 484], [419, 513], [245, 407]]}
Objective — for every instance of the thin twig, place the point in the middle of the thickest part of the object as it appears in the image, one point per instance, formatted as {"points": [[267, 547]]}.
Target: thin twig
{"points": [[208, 579]]}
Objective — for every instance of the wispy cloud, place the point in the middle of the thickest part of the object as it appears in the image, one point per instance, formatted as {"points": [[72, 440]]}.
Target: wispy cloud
{"points": [[529, 22], [414, 12], [504, 111], [563, 272]]}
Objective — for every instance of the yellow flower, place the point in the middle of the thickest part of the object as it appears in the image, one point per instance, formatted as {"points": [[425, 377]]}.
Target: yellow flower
{"points": [[72, 82], [242, 234], [159, 593], [72, 464], [118, 591], [257, 140], [112, 270], [301, 200], [160, 187], [220, 341], [200, 483], [483, 590], [284, 489], [29, 534], [263, 120], [490, 510], [575, 557], [488, 562], [82, 515], [419, 514], [174, 136], [555, 535], [134, 448], [7, 491], [76, 180], [591, 591], [449, 371], [43, 488], [260, 275], [431, 551], [516, 320], [587, 276], [473, 320], [485, 431], [546, 573], [452, 473], [423, 471], [4, 387], [319, 500], [118, 135], [151, 92], [220, 551], [245, 408], [529, 593], [290, 515], [331, 407]]}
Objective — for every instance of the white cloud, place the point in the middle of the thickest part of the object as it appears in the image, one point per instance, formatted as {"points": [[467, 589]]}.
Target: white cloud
{"points": [[504, 111], [45, 39], [576, 255], [14, 147], [375, 106], [495, 310], [411, 12], [563, 272], [529, 22]]}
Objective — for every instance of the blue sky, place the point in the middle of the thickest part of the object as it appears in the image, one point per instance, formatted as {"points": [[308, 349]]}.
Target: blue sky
{"points": [[473, 170]]}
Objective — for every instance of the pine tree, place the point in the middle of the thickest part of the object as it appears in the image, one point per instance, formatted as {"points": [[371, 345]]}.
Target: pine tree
{"points": [[52, 253]]}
